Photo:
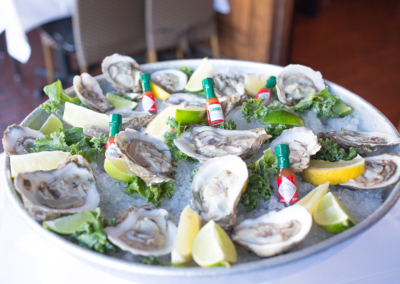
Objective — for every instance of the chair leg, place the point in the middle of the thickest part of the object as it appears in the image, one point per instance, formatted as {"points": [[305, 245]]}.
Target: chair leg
{"points": [[151, 56], [179, 52], [48, 62], [215, 46], [83, 69]]}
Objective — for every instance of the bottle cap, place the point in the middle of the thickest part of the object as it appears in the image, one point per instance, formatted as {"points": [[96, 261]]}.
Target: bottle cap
{"points": [[282, 150], [145, 80], [271, 82], [208, 86], [115, 123]]}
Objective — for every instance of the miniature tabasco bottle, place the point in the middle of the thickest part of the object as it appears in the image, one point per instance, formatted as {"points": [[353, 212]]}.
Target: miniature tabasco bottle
{"points": [[213, 107], [266, 92], [111, 148], [287, 187], [148, 98]]}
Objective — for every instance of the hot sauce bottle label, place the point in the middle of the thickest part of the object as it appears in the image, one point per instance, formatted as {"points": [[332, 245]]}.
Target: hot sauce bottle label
{"points": [[214, 113], [265, 94], [149, 103], [111, 151], [287, 190]]}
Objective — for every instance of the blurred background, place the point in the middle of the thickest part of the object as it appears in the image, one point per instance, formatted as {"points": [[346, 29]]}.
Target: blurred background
{"points": [[354, 43]]}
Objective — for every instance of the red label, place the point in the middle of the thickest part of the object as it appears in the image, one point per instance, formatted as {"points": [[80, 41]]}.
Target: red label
{"points": [[265, 94], [214, 114], [287, 189], [111, 150], [149, 102]]}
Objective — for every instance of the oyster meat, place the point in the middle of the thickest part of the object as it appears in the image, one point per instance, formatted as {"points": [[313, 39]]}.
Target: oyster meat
{"points": [[122, 72], [171, 80], [186, 99], [365, 143], [229, 85], [18, 140], [296, 82], [206, 142], [143, 231], [95, 131], [303, 143], [381, 171], [217, 188], [69, 189], [275, 232], [89, 91], [133, 119], [149, 158]]}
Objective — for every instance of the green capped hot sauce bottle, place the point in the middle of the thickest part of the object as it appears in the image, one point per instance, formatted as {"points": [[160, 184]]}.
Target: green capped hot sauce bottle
{"points": [[213, 107], [287, 187], [111, 148]]}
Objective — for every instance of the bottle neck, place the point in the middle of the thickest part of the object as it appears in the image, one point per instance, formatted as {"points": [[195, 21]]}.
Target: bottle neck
{"points": [[114, 129], [146, 86], [283, 162], [209, 92]]}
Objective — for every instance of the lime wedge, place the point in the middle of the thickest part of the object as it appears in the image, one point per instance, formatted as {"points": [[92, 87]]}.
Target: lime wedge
{"points": [[190, 115], [213, 247], [159, 92], [310, 201], [195, 82], [69, 224], [118, 169], [342, 108], [332, 216], [52, 124], [189, 226], [119, 102], [285, 117], [78, 116]]}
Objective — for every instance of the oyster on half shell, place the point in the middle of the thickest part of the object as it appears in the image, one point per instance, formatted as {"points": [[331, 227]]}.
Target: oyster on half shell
{"points": [[133, 119], [95, 130], [71, 188], [149, 158], [186, 99], [170, 79], [143, 231], [217, 188], [18, 140], [206, 142]]}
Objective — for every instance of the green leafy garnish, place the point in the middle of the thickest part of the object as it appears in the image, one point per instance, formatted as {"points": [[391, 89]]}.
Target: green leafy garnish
{"points": [[58, 97], [193, 173], [231, 125], [333, 153], [255, 108], [92, 235], [275, 130], [188, 71], [152, 260], [258, 187], [152, 193]]}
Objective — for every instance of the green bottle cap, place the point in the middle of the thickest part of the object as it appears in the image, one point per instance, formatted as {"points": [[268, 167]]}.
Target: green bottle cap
{"points": [[282, 154], [208, 86], [145, 80], [115, 123], [271, 83]]}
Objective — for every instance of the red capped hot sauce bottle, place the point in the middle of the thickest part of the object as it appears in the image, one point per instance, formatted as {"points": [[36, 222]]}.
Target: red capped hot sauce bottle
{"points": [[287, 187], [111, 148], [266, 92], [148, 98], [213, 107]]}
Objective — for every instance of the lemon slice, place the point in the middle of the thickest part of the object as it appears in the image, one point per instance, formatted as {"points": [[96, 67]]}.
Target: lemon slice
{"points": [[78, 116], [320, 171], [254, 83], [42, 161], [194, 84], [189, 226], [159, 92], [157, 127], [213, 247], [69, 224], [52, 124], [119, 102], [190, 115], [332, 216], [118, 169], [310, 201]]}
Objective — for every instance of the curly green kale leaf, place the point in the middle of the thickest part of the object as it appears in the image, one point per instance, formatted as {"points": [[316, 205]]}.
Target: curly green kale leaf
{"points": [[58, 97], [255, 108], [188, 71], [275, 130], [333, 153], [231, 125], [152, 260]]}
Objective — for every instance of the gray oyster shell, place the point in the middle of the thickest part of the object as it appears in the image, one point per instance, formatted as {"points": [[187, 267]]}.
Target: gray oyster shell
{"points": [[18, 140]]}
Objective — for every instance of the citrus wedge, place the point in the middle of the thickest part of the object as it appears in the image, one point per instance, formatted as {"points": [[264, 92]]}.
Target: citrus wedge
{"points": [[213, 247], [254, 83], [310, 201], [285, 117], [69, 224], [52, 124], [332, 216], [42, 161], [78, 116], [157, 127], [189, 226], [119, 102], [190, 115], [194, 84], [320, 171], [159, 92], [118, 169]]}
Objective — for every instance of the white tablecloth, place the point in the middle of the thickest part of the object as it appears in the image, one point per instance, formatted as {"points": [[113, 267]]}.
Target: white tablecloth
{"points": [[372, 257]]}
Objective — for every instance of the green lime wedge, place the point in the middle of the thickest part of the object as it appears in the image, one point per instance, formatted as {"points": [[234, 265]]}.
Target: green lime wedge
{"points": [[332, 216], [194, 85], [190, 115], [342, 108], [284, 117], [69, 224], [52, 124], [119, 102], [118, 169]]}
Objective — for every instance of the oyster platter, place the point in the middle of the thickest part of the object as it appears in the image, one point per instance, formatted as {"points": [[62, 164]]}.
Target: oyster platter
{"points": [[170, 189]]}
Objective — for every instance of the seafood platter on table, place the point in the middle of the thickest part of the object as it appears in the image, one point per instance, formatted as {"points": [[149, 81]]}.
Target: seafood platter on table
{"points": [[193, 164]]}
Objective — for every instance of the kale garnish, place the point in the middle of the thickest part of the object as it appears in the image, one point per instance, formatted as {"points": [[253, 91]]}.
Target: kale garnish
{"points": [[231, 125], [333, 153], [152, 260]]}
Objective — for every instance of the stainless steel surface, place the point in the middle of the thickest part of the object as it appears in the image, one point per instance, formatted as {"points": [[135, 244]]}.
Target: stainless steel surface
{"points": [[263, 269]]}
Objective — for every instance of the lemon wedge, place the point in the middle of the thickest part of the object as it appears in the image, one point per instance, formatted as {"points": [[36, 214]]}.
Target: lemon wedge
{"points": [[310, 201], [254, 83], [78, 116], [157, 127]]}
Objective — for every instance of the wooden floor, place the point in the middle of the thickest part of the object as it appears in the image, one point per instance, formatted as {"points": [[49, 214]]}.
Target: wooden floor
{"points": [[353, 43]]}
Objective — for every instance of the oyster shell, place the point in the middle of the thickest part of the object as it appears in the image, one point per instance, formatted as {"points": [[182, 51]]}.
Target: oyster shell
{"points": [[18, 140], [122, 72], [297, 81], [381, 171], [303, 143], [217, 188], [69, 189], [169, 79], [226, 85], [89, 91], [365, 143], [95, 131], [133, 119], [186, 99], [275, 232], [143, 231], [206, 142], [149, 158]]}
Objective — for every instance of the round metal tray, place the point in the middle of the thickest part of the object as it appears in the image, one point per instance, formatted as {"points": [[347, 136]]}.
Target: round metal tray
{"points": [[262, 270]]}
